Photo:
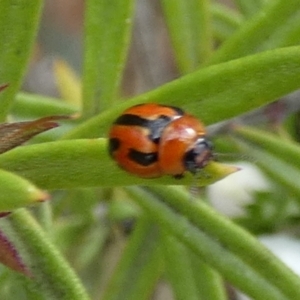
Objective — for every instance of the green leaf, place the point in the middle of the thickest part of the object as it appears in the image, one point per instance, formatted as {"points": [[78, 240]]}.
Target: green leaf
{"points": [[18, 26], [217, 92], [286, 150], [285, 35], [285, 174], [17, 192], [51, 274], [249, 8], [179, 268], [107, 33], [32, 105], [86, 163], [254, 35], [234, 239], [278, 158], [225, 21], [209, 282], [140, 265], [190, 31], [210, 241]]}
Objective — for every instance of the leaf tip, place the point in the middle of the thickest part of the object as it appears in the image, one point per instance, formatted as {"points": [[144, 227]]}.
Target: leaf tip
{"points": [[216, 171], [10, 257], [3, 86], [38, 195]]}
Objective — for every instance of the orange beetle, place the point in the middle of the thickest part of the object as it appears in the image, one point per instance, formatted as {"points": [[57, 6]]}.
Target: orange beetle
{"points": [[152, 140]]}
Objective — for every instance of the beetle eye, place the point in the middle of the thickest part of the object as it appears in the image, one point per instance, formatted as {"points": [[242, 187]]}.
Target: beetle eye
{"points": [[199, 156]]}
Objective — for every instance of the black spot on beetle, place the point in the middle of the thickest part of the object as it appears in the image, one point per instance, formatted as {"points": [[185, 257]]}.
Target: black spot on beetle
{"points": [[155, 127], [178, 176], [113, 145], [131, 120], [143, 159], [178, 110]]}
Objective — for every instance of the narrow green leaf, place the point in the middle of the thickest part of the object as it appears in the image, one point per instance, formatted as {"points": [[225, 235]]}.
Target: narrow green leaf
{"points": [[44, 216], [285, 174], [179, 268], [217, 92], [189, 27], [17, 192], [209, 248], [292, 38], [286, 150], [254, 33], [286, 35], [235, 239], [279, 159], [86, 163], [209, 283], [107, 33], [18, 26], [249, 8], [31, 105], [140, 265], [225, 21], [51, 274]]}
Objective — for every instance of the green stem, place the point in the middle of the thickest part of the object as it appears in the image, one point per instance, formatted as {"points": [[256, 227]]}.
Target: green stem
{"points": [[107, 35], [190, 30], [248, 8], [209, 249], [225, 21], [19, 21], [234, 238], [179, 268], [249, 38], [210, 284], [140, 265], [35, 106], [51, 274]]}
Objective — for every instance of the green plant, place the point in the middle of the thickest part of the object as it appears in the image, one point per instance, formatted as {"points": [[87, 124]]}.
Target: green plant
{"points": [[184, 241]]}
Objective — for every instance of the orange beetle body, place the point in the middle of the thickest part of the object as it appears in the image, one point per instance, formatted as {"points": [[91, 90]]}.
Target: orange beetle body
{"points": [[152, 140]]}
